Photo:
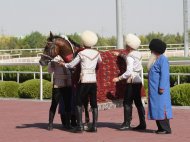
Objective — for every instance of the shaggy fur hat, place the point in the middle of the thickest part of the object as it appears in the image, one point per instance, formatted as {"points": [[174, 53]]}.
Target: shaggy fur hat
{"points": [[157, 45], [132, 41], [89, 38]]}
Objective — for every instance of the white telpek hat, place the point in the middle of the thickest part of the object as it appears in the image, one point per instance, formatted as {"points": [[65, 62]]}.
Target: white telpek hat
{"points": [[89, 38], [132, 41]]}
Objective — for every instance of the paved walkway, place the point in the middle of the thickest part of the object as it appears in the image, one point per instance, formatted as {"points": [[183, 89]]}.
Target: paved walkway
{"points": [[26, 121]]}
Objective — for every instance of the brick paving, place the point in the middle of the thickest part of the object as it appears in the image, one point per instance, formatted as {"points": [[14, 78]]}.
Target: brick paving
{"points": [[26, 121]]}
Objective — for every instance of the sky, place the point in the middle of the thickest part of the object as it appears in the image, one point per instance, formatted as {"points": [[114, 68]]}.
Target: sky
{"points": [[21, 17]]}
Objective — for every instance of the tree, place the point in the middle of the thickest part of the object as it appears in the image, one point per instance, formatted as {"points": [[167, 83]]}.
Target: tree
{"points": [[112, 41], [4, 40], [75, 37], [34, 40], [13, 43]]}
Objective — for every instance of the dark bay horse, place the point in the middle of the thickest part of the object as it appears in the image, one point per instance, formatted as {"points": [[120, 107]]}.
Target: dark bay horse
{"points": [[67, 49], [57, 45]]}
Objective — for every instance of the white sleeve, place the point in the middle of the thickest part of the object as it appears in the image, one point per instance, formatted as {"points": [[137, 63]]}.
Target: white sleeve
{"points": [[129, 70], [74, 62]]}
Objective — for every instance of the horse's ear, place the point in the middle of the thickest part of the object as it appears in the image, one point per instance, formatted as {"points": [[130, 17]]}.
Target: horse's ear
{"points": [[51, 34]]}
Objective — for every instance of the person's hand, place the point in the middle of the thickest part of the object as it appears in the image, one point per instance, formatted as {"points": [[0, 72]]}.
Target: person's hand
{"points": [[161, 91], [115, 53], [116, 79]]}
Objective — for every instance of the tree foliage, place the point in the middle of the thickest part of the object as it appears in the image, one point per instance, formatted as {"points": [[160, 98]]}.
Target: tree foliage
{"points": [[34, 40], [37, 40]]}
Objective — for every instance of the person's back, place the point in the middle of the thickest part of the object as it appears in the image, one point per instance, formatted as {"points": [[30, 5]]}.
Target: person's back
{"points": [[133, 83], [61, 75], [136, 58], [87, 86], [89, 60]]}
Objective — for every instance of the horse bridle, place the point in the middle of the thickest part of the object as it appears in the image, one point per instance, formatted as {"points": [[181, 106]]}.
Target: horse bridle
{"points": [[47, 56], [52, 48]]}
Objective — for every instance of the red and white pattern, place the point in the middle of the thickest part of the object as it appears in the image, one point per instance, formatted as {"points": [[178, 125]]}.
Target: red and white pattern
{"points": [[111, 66]]}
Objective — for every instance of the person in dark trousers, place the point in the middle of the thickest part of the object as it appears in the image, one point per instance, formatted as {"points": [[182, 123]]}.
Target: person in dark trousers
{"points": [[87, 88], [159, 103], [62, 90], [133, 82]]}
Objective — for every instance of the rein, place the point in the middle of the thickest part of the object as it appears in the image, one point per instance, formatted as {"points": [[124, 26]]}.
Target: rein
{"points": [[47, 56], [51, 48]]}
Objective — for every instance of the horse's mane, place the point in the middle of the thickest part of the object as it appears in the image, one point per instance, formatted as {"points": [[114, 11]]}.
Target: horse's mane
{"points": [[74, 43], [70, 40], [53, 37]]}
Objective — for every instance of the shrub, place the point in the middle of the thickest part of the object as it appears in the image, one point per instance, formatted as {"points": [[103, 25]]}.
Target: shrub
{"points": [[146, 86], [47, 90], [9, 89], [180, 95], [31, 89]]}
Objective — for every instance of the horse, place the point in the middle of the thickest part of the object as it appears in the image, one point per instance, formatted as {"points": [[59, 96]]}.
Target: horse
{"points": [[67, 49], [57, 45]]}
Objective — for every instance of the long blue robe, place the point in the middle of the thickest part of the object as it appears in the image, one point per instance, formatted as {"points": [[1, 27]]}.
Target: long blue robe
{"points": [[159, 107]]}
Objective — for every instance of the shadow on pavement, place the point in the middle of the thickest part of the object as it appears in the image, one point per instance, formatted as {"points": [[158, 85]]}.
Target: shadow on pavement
{"points": [[117, 126], [145, 131], [109, 125], [39, 126]]}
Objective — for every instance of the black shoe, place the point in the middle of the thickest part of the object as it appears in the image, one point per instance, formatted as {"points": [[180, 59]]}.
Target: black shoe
{"points": [[92, 129], [140, 127], [162, 132], [73, 124], [73, 121], [50, 127], [68, 127], [125, 126], [78, 129]]}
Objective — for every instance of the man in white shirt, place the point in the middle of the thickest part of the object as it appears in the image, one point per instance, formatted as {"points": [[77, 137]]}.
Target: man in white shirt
{"points": [[88, 59], [133, 82]]}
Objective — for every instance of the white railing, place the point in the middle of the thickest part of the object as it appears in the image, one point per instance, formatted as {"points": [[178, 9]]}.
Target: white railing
{"points": [[35, 73], [142, 47], [21, 50], [175, 74], [173, 50], [42, 73], [9, 56], [20, 72]]}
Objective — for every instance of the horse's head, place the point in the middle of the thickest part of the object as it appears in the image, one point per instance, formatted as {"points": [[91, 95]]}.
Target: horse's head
{"points": [[56, 45]]}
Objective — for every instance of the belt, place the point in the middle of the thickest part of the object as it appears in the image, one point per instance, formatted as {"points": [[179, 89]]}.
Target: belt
{"points": [[88, 71]]}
